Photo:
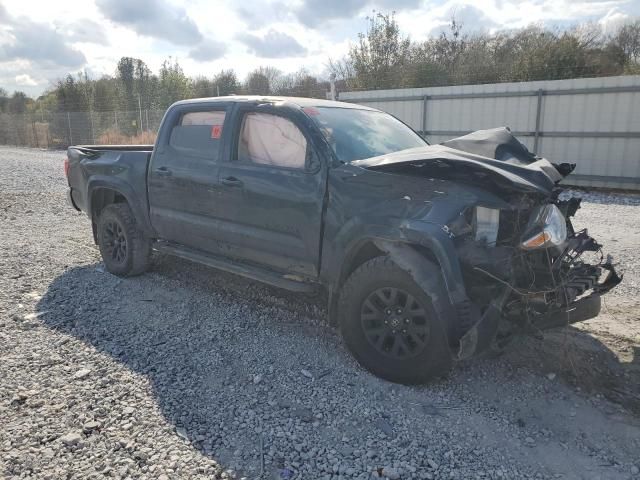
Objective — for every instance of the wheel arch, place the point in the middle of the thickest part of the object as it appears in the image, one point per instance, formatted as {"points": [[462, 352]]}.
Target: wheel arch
{"points": [[103, 192], [367, 249]]}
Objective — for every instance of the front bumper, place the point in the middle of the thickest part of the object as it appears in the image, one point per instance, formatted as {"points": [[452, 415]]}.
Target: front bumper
{"points": [[584, 308], [576, 298]]}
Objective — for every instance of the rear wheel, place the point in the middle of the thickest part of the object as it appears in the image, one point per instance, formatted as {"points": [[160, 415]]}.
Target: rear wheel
{"points": [[390, 325], [124, 248]]}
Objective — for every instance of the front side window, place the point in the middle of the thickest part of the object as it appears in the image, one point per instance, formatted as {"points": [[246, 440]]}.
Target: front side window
{"points": [[355, 134], [267, 139], [199, 133]]}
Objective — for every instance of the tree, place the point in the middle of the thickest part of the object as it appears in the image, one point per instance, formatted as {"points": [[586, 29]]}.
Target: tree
{"points": [[137, 84], [126, 69], [173, 84], [4, 100], [300, 84], [203, 87], [226, 82], [105, 94], [18, 102], [380, 55], [257, 83], [627, 39], [70, 96]]}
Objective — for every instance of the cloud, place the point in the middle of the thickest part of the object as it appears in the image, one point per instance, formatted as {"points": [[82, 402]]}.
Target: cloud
{"points": [[263, 12], [472, 18], [315, 13], [25, 80], [208, 51], [613, 20], [38, 42], [86, 31], [153, 18], [273, 45]]}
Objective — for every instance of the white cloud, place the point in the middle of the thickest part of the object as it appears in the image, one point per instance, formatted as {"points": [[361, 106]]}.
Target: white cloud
{"points": [[25, 80], [612, 20], [207, 36]]}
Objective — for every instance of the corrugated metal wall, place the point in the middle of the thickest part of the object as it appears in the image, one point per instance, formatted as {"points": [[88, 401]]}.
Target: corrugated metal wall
{"points": [[593, 122]]}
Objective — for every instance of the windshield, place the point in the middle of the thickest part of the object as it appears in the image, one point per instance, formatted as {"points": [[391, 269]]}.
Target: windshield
{"points": [[356, 134]]}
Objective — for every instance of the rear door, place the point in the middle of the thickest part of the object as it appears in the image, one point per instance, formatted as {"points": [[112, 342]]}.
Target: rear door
{"points": [[272, 190], [183, 177]]}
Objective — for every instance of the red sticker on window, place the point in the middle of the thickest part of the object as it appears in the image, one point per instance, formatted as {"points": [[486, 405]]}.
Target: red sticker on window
{"points": [[216, 131], [311, 110]]}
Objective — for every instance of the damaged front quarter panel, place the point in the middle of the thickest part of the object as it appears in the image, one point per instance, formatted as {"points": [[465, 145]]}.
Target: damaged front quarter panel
{"points": [[491, 285]]}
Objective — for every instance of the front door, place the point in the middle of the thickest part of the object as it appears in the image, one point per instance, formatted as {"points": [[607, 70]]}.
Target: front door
{"points": [[272, 192]]}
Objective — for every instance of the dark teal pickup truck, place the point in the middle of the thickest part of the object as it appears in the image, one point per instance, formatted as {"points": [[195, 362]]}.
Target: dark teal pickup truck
{"points": [[427, 254]]}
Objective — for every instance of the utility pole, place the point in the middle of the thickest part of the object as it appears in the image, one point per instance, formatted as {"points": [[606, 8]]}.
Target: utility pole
{"points": [[140, 110], [218, 89]]}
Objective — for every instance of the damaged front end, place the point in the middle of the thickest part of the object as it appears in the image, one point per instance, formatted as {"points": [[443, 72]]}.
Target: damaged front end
{"points": [[502, 234], [527, 271]]}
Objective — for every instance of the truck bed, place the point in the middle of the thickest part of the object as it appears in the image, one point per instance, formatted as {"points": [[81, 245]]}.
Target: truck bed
{"points": [[93, 168]]}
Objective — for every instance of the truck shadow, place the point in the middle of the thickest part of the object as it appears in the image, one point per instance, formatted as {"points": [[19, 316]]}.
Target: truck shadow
{"points": [[201, 338], [584, 361], [216, 347]]}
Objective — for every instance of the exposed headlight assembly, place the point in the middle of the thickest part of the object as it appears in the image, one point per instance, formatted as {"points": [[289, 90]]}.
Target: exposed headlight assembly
{"points": [[486, 222], [546, 228]]}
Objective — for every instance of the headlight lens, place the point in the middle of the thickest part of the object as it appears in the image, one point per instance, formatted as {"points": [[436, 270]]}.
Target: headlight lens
{"points": [[546, 228]]}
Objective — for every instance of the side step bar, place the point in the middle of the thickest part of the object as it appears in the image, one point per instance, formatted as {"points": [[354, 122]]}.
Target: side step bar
{"points": [[246, 270]]}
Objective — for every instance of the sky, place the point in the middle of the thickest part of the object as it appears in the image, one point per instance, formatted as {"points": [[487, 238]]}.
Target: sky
{"points": [[42, 41]]}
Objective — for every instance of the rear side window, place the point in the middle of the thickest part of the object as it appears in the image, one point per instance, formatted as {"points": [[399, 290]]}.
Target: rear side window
{"points": [[203, 118], [271, 140], [199, 133]]}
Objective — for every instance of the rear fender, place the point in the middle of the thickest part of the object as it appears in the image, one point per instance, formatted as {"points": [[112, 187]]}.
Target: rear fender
{"points": [[121, 187]]}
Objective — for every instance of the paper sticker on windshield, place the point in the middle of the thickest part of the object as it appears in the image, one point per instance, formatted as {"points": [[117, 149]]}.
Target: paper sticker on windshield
{"points": [[216, 131], [311, 111]]}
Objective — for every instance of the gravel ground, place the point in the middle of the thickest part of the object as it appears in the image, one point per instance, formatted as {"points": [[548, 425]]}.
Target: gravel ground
{"points": [[186, 372]]}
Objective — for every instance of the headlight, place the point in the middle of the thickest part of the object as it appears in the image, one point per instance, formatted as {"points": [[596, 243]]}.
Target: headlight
{"points": [[485, 224], [546, 228]]}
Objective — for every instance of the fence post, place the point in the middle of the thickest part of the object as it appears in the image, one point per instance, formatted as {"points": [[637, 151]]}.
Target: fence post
{"points": [[536, 134], [69, 123], [116, 117], [146, 114], [35, 132], [424, 116], [140, 110], [93, 136]]}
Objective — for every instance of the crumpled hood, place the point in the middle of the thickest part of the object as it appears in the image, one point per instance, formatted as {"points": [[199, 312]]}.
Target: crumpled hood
{"points": [[492, 157]]}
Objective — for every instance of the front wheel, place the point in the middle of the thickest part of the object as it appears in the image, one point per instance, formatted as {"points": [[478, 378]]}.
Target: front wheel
{"points": [[389, 324], [124, 248]]}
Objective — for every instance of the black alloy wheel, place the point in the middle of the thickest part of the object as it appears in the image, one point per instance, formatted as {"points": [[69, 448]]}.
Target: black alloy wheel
{"points": [[395, 323], [115, 241]]}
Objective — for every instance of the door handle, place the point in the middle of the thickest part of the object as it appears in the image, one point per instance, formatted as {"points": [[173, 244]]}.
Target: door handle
{"points": [[231, 182], [163, 172]]}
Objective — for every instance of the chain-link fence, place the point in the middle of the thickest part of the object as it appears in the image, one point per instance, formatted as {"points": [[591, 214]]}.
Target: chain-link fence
{"points": [[59, 130]]}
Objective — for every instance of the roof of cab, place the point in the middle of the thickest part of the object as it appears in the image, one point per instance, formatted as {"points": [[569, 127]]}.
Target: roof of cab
{"points": [[296, 101]]}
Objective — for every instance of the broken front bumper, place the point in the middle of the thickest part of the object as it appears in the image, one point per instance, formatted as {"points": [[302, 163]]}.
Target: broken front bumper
{"points": [[584, 308], [582, 290]]}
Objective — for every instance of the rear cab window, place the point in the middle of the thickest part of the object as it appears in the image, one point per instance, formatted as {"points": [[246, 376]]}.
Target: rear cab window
{"points": [[271, 140], [199, 133]]}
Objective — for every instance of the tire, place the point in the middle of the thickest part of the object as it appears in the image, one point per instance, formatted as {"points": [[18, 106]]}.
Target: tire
{"points": [[125, 250], [422, 360]]}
